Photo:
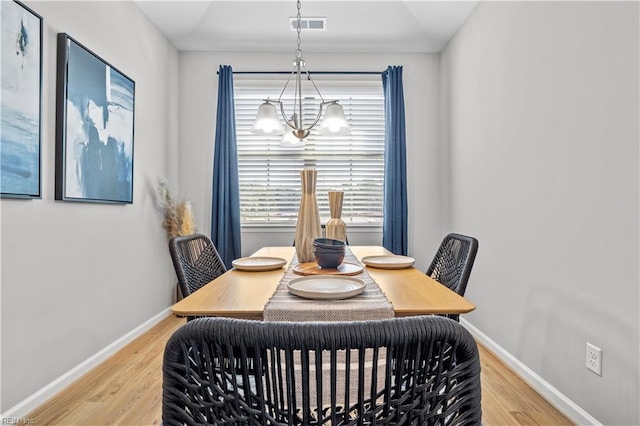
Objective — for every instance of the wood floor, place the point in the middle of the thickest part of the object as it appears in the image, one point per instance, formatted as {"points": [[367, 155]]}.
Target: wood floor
{"points": [[127, 389]]}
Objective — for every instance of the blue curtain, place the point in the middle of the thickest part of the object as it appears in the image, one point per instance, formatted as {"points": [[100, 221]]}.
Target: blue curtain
{"points": [[225, 205], [394, 223]]}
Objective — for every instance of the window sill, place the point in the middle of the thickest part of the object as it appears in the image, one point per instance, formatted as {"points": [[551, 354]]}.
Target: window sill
{"points": [[360, 228]]}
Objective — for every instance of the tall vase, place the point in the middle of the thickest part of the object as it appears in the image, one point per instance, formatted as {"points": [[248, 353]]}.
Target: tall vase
{"points": [[336, 228], [308, 225]]}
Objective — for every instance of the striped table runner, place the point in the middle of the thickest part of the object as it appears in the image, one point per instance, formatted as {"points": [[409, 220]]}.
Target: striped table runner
{"points": [[372, 304]]}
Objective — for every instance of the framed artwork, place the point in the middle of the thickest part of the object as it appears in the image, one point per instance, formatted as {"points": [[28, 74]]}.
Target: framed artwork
{"points": [[94, 127], [20, 101]]}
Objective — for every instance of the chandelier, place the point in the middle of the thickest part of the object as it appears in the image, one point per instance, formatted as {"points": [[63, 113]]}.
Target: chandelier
{"points": [[268, 123]]}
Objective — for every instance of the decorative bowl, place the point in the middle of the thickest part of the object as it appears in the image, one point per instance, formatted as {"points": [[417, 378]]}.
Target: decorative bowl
{"points": [[329, 243], [326, 260], [329, 250]]}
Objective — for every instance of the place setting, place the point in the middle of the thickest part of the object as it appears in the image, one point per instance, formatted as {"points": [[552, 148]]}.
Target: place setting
{"points": [[390, 261], [329, 254], [326, 287], [258, 263], [329, 277]]}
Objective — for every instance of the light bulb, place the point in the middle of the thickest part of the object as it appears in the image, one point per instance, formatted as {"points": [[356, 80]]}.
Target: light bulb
{"points": [[334, 122], [267, 121]]}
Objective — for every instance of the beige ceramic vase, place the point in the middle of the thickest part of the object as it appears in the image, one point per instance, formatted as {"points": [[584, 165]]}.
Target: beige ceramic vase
{"points": [[308, 225], [336, 228]]}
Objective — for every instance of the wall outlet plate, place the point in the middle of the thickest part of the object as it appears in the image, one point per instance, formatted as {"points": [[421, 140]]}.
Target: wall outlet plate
{"points": [[594, 359]]}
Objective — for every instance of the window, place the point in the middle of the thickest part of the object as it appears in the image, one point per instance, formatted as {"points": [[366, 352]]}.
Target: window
{"points": [[269, 174]]}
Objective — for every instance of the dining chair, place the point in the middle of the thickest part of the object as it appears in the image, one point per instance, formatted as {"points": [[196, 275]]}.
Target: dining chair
{"points": [[451, 266], [421, 370], [196, 261]]}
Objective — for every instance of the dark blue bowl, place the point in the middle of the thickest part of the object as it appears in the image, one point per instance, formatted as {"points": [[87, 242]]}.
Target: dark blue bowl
{"points": [[326, 250], [329, 243], [329, 260]]}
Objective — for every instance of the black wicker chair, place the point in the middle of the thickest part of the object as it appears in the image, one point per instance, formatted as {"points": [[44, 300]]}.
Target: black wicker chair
{"points": [[196, 262], [240, 372], [452, 264]]}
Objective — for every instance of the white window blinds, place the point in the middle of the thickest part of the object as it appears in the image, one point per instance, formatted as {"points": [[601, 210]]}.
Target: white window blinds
{"points": [[270, 174]]}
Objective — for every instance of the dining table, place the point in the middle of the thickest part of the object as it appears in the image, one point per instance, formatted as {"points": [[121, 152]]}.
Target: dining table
{"points": [[244, 294]]}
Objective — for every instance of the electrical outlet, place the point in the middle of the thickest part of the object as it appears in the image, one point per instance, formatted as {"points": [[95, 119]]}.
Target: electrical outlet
{"points": [[594, 359]]}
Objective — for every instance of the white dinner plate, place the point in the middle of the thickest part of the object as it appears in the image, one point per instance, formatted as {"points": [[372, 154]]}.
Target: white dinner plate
{"points": [[326, 287], [391, 261], [258, 263]]}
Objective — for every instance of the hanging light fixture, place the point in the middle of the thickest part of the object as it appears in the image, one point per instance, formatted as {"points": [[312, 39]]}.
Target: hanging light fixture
{"points": [[268, 123]]}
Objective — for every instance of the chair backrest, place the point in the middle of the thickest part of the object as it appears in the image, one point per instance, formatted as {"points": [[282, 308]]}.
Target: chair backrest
{"points": [[452, 264], [196, 261], [413, 370]]}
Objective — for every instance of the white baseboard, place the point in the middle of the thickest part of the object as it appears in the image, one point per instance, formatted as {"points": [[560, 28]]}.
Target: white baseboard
{"points": [[551, 394], [567, 407], [23, 408]]}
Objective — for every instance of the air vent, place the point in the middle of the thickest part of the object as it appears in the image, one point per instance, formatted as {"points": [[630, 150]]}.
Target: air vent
{"points": [[314, 24]]}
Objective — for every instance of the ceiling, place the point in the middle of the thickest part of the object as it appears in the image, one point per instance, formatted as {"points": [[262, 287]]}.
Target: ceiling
{"points": [[359, 26]]}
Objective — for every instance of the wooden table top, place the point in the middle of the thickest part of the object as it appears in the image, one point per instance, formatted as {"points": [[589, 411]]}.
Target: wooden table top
{"points": [[241, 294]]}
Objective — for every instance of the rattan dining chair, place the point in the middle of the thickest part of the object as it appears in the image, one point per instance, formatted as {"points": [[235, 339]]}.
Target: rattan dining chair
{"points": [[196, 261], [421, 370], [452, 264]]}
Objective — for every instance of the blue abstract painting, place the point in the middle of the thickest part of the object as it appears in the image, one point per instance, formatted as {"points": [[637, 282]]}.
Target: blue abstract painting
{"points": [[96, 133], [20, 106]]}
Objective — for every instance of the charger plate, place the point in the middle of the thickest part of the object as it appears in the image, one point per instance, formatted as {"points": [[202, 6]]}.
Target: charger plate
{"points": [[312, 268], [326, 287], [258, 263], [391, 261]]}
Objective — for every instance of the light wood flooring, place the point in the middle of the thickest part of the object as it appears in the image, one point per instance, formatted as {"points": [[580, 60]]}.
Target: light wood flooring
{"points": [[127, 390]]}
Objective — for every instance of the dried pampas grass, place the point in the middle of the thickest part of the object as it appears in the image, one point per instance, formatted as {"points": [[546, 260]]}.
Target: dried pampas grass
{"points": [[185, 216], [178, 218]]}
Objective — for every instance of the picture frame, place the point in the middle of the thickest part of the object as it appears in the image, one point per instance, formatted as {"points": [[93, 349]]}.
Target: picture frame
{"points": [[95, 110], [20, 101]]}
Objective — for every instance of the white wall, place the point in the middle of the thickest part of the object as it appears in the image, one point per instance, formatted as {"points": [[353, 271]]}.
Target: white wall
{"points": [[198, 94], [537, 112], [75, 276], [541, 114]]}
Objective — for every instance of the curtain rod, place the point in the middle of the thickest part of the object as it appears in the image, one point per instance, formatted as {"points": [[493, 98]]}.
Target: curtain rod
{"points": [[310, 72]]}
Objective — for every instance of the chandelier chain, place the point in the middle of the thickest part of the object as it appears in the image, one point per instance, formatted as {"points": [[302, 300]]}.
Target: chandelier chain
{"points": [[295, 120], [299, 30]]}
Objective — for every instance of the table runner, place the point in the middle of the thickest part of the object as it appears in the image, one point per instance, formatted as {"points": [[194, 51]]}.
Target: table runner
{"points": [[372, 304]]}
